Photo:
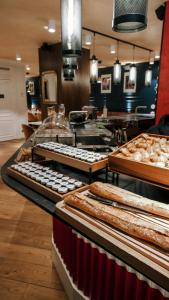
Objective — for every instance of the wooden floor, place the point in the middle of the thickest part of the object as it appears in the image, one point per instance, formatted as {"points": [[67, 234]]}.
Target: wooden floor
{"points": [[26, 271]]}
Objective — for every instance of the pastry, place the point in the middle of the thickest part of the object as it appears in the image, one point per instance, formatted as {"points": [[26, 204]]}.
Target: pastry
{"points": [[125, 151], [137, 156]]}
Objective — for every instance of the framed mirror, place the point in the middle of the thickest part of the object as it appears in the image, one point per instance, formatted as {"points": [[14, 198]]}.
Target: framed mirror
{"points": [[49, 87]]}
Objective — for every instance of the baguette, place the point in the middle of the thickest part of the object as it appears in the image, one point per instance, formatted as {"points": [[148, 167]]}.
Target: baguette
{"points": [[122, 220], [117, 194]]}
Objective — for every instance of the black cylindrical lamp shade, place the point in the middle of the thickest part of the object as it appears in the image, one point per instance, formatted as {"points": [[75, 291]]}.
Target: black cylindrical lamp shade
{"points": [[129, 15], [71, 22]]}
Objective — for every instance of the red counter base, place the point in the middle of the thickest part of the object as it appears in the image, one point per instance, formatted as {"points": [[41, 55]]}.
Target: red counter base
{"points": [[94, 273]]}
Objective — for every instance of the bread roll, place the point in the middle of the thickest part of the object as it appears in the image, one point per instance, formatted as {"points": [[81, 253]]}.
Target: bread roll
{"points": [[121, 219], [125, 197]]}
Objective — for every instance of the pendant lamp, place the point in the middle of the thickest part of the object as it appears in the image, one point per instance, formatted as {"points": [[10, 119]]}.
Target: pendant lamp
{"points": [[129, 15], [148, 76], [68, 74], [88, 39], [70, 62], [93, 65], [71, 24], [133, 71], [52, 26], [117, 68], [148, 73]]}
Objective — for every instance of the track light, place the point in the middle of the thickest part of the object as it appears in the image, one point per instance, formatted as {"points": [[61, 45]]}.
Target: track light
{"points": [[117, 68], [27, 68], [157, 55], [151, 61], [93, 65], [148, 73], [112, 49], [148, 76], [52, 26], [117, 72], [71, 19], [93, 69], [133, 70], [18, 57], [88, 39]]}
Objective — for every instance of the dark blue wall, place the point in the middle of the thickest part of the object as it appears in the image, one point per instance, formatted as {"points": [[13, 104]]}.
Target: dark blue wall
{"points": [[33, 99], [117, 101]]}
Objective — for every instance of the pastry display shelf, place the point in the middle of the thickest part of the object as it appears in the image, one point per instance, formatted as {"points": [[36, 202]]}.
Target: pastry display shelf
{"points": [[42, 189], [158, 176], [72, 162]]}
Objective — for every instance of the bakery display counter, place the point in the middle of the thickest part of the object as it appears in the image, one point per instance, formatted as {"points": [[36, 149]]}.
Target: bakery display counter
{"points": [[84, 160], [90, 252], [146, 157]]}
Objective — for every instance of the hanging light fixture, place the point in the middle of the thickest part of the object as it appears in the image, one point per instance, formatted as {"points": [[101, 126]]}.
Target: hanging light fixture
{"points": [[112, 49], [148, 73], [71, 23], [88, 39], [18, 57], [93, 65], [133, 70], [117, 68], [68, 74], [157, 55], [70, 63], [27, 67], [129, 15], [52, 26]]}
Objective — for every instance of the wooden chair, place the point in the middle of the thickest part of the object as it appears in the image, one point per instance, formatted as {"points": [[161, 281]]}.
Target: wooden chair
{"points": [[27, 130]]}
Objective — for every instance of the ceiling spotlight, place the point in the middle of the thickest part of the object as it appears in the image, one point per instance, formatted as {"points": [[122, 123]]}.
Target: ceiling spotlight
{"points": [[18, 57], [88, 39], [52, 26], [112, 49]]}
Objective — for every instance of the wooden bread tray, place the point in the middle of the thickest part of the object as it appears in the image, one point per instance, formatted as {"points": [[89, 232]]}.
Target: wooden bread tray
{"points": [[155, 175], [73, 162], [119, 243], [44, 190]]}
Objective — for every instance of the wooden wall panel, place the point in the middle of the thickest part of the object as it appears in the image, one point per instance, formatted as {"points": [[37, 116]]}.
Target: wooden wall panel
{"points": [[73, 94]]}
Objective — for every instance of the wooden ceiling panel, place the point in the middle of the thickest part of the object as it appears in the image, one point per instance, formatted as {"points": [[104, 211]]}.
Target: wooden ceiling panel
{"points": [[22, 29]]}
